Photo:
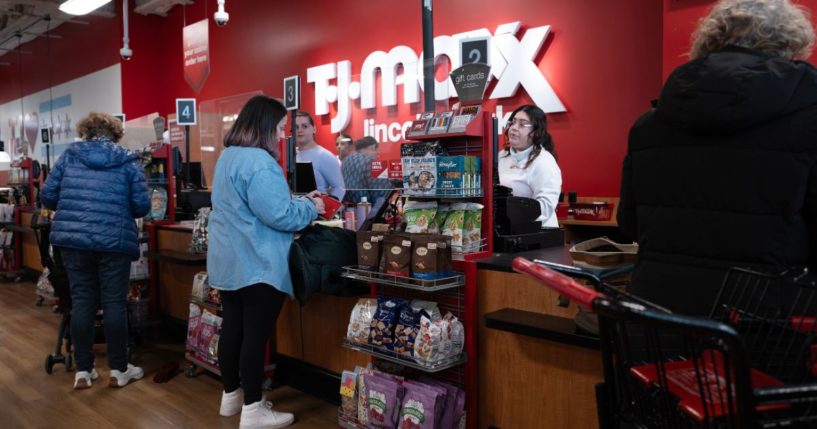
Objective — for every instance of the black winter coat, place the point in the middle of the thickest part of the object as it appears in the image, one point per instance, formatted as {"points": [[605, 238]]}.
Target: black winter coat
{"points": [[722, 174]]}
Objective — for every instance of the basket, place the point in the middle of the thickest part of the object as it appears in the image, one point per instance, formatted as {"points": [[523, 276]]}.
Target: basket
{"points": [[584, 253], [596, 211]]}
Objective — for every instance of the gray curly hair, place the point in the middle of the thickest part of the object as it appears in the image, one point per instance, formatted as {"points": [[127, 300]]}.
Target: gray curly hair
{"points": [[777, 27]]}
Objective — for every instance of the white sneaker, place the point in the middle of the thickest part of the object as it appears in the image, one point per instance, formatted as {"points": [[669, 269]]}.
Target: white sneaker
{"points": [[259, 415], [119, 378], [82, 379], [232, 402]]}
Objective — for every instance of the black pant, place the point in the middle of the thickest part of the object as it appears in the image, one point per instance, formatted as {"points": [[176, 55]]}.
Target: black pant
{"points": [[250, 314]]}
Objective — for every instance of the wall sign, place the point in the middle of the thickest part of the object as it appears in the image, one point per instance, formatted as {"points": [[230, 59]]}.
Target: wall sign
{"points": [[186, 111], [45, 135]]}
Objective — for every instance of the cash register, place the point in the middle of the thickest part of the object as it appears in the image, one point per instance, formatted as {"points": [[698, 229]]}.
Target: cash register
{"points": [[516, 228]]}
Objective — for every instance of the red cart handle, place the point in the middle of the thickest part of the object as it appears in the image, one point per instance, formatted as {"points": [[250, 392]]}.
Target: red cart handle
{"points": [[573, 290]]}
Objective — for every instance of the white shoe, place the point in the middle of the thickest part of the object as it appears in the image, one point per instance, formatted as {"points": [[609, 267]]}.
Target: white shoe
{"points": [[232, 402], [119, 378], [82, 379], [259, 415]]}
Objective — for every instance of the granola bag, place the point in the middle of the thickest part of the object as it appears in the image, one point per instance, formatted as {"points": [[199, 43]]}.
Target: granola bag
{"points": [[419, 215], [422, 406], [361, 320]]}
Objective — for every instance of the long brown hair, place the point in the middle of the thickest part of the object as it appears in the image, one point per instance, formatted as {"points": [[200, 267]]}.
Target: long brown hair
{"points": [[256, 125], [539, 135]]}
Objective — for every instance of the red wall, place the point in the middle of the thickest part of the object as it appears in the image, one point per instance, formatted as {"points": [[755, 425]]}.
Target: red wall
{"points": [[82, 49], [680, 20], [603, 60]]}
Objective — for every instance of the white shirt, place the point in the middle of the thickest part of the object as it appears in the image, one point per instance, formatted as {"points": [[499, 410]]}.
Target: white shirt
{"points": [[541, 181]]}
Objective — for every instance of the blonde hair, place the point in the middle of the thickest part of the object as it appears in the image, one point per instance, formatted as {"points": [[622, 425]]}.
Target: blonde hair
{"points": [[776, 27], [100, 126]]}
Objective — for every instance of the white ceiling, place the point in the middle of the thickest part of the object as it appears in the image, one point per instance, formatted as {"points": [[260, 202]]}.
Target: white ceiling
{"points": [[23, 20]]}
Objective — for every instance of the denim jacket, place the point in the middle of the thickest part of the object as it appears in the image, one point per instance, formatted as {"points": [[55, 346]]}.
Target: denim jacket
{"points": [[253, 221]]}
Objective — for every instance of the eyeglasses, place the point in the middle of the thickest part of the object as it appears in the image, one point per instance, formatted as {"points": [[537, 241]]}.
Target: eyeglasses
{"points": [[520, 123]]}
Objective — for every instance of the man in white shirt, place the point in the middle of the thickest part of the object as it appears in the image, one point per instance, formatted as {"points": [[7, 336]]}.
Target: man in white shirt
{"points": [[327, 170]]}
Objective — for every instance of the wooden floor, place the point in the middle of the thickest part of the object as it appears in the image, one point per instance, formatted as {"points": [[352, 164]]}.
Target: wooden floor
{"points": [[30, 398]]}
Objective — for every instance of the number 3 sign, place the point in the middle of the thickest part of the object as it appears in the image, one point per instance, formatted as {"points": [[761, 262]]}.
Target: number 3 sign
{"points": [[292, 92], [186, 111]]}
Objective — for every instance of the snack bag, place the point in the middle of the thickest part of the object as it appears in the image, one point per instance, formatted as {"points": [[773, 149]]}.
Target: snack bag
{"points": [[384, 322], [421, 406], [405, 333], [360, 321], [453, 226], [436, 225], [471, 229], [348, 393], [429, 341], [424, 257], [397, 255], [419, 215], [368, 249], [383, 401], [193, 321]]}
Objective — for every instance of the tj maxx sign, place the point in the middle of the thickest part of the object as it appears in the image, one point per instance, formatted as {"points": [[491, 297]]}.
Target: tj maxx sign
{"points": [[511, 61]]}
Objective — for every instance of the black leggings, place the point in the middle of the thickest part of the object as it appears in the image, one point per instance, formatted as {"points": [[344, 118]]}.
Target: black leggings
{"points": [[250, 314]]}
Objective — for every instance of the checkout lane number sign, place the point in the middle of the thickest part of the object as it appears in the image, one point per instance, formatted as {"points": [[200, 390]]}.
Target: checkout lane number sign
{"points": [[186, 111], [292, 92]]}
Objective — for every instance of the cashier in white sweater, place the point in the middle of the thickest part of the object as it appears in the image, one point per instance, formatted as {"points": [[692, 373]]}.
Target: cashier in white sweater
{"points": [[528, 163]]}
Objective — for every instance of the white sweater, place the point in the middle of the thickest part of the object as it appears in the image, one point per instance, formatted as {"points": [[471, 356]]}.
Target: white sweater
{"points": [[542, 180]]}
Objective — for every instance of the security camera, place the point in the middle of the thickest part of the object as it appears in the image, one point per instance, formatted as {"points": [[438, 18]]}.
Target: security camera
{"points": [[126, 53], [221, 18]]}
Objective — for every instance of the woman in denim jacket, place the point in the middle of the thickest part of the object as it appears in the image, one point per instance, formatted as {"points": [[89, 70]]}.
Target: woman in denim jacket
{"points": [[251, 228]]}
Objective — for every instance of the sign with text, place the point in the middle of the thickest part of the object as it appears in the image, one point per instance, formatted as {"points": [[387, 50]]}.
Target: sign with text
{"points": [[474, 50], [196, 44], [45, 135], [470, 81], [292, 92], [176, 133], [186, 111]]}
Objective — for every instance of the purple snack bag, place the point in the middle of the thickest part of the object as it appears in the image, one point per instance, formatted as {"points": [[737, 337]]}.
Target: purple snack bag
{"points": [[450, 416], [383, 401], [422, 406]]}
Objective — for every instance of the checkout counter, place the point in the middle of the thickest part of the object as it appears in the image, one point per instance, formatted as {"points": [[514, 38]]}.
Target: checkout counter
{"points": [[535, 368]]}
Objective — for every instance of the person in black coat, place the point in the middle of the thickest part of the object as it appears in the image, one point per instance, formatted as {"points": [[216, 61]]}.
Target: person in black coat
{"points": [[722, 172]]}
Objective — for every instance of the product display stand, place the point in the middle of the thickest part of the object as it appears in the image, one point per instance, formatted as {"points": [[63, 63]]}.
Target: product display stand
{"points": [[23, 182], [457, 294]]}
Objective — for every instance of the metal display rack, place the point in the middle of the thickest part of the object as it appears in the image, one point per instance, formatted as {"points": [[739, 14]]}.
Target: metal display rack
{"points": [[356, 273], [461, 300], [391, 356]]}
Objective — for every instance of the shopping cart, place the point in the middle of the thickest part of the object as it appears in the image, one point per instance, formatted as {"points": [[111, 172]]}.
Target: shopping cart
{"points": [[750, 365]]}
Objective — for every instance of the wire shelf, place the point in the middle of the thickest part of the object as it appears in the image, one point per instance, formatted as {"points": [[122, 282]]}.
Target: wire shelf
{"points": [[354, 272], [390, 356], [459, 252], [348, 422]]}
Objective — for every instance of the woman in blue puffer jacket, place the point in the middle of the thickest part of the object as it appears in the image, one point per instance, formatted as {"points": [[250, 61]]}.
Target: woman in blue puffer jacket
{"points": [[98, 188]]}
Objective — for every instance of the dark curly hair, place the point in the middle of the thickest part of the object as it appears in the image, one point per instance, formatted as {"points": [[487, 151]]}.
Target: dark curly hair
{"points": [[100, 126], [539, 135]]}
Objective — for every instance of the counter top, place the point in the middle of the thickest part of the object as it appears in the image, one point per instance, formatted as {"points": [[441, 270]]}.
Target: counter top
{"points": [[502, 261]]}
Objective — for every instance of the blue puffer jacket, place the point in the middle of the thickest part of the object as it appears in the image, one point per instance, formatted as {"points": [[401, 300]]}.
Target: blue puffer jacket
{"points": [[97, 188]]}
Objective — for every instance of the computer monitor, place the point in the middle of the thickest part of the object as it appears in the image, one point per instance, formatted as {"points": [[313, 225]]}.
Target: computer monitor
{"points": [[197, 178], [304, 178]]}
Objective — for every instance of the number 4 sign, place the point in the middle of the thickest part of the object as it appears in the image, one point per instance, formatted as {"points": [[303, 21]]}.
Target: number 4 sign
{"points": [[186, 111]]}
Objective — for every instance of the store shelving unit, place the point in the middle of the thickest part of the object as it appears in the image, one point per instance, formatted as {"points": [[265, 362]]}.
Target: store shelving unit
{"points": [[23, 182], [457, 296]]}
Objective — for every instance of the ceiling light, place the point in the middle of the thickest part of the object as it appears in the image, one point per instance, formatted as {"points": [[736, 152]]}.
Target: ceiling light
{"points": [[82, 7]]}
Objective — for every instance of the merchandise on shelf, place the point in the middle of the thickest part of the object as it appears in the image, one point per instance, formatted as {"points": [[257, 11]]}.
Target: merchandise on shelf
{"points": [[368, 249], [361, 320], [198, 242], [158, 203], [377, 399]]}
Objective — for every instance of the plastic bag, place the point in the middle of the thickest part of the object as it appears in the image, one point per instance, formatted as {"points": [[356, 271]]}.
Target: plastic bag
{"points": [[44, 287]]}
